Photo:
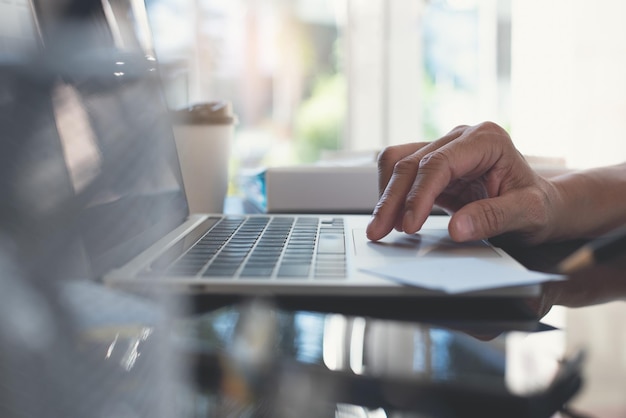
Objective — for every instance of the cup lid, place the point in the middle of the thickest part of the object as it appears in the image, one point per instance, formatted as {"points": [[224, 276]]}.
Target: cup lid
{"points": [[207, 113]]}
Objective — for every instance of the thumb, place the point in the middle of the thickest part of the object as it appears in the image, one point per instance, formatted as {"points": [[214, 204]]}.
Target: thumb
{"points": [[485, 218]]}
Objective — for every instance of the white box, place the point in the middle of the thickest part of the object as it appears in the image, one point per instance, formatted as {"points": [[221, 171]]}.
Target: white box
{"points": [[342, 185], [322, 188]]}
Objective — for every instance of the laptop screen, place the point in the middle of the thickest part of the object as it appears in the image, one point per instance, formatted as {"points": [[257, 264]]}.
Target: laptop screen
{"points": [[101, 173]]}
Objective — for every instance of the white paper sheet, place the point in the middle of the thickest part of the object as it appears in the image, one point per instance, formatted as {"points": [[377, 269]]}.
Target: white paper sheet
{"points": [[459, 275]]}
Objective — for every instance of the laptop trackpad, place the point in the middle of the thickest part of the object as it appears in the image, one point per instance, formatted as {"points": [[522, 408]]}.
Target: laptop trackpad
{"points": [[428, 242]]}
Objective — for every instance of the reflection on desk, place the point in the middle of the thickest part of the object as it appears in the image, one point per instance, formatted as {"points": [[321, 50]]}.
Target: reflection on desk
{"points": [[280, 364], [294, 362]]}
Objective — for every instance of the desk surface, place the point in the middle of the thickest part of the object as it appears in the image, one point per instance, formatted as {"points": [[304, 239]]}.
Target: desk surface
{"points": [[602, 331], [415, 350], [118, 361], [128, 359]]}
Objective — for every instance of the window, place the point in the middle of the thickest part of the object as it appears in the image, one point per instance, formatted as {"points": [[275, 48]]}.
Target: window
{"points": [[307, 76], [568, 86]]}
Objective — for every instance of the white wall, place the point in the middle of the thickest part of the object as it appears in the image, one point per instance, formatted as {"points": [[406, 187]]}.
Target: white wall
{"points": [[384, 73], [569, 80]]}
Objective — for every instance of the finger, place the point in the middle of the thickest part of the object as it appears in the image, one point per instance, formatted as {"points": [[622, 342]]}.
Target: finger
{"points": [[470, 156], [488, 218], [388, 159], [386, 163], [390, 156], [389, 210], [460, 193]]}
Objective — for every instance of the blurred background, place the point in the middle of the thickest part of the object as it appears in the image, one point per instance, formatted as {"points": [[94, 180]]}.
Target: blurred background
{"points": [[307, 76]]}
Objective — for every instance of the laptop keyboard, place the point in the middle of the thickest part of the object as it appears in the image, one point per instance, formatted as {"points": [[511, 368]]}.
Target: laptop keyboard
{"points": [[262, 247]]}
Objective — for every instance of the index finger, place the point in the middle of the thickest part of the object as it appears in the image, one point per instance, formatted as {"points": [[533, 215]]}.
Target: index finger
{"points": [[473, 154], [396, 176], [389, 157]]}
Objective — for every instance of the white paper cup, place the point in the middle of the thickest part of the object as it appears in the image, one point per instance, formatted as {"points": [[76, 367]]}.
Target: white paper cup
{"points": [[204, 135]]}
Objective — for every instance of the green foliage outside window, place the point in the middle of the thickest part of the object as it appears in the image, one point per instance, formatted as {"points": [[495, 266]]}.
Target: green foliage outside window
{"points": [[320, 118]]}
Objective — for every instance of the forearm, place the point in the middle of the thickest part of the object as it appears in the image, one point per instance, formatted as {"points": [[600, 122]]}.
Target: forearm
{"points": [[589, 202]]}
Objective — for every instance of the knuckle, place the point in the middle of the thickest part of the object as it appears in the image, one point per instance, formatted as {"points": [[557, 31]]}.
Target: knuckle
{"points": [[433, 160], [459, 128], [388, 155], [392, 154], [404, 167], [489, 126], [379, 206], [388, 195], [490, 131]]}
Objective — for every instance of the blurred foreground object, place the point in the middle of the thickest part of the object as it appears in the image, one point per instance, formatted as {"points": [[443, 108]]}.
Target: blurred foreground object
{"points": [[58, 169]]}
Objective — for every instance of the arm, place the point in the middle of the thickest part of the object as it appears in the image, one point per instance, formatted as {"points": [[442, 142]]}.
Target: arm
{"points": [[477, 174], [591, 202]]}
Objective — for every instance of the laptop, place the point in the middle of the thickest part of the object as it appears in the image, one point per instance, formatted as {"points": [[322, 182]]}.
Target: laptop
{"points": [[131, 216]]}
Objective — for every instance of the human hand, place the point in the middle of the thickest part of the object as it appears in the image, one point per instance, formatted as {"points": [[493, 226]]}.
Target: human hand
{"points": [[473, 172]]}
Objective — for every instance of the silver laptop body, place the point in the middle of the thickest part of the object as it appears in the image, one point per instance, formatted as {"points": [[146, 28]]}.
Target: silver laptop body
{"points": [[297, 255]]}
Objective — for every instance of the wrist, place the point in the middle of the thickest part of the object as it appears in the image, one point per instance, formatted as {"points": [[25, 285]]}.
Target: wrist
{"points": [[558, 227], [589, 202]]}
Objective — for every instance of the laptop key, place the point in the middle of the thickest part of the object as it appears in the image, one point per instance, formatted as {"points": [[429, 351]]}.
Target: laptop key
{"points": [[257, 271], [331, 243], [293, 270], [225, 272]]}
